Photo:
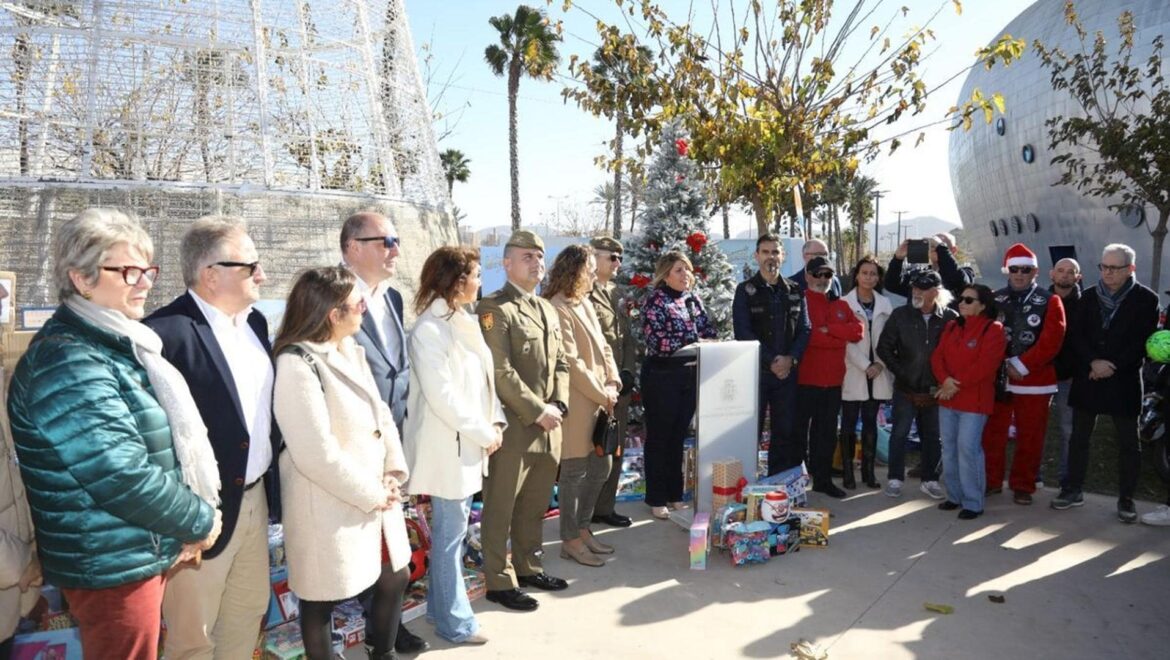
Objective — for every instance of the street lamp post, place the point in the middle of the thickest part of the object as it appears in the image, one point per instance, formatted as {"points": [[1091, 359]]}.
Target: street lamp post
{"points": [[900, 213], [877, 210]]}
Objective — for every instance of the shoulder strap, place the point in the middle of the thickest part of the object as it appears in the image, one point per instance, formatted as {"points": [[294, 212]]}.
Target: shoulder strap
{"points": [[308, 358]]}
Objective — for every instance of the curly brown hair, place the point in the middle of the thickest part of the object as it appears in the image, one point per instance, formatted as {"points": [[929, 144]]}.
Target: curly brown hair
{"points": [[443, 273], [570, 273]]}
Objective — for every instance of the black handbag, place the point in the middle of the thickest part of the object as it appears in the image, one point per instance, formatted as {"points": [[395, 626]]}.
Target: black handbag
{"points": [[605, 435]]}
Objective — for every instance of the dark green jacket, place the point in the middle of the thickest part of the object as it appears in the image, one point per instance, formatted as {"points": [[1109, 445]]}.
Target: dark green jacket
{"points": [[104, 487]]}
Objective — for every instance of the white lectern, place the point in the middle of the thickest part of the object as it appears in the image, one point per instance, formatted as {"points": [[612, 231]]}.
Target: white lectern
{"points": [[728, 404]]}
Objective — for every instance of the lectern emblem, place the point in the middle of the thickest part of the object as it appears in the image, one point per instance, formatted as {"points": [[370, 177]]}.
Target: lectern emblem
{"points": [[729, 390]]}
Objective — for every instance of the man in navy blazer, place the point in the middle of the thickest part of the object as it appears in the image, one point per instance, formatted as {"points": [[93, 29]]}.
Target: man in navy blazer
{"points": [[220, 344], [369, 248]]}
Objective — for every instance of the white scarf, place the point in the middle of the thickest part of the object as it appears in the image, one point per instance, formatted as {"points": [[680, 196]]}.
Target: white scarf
{"points": [[189, 436]]}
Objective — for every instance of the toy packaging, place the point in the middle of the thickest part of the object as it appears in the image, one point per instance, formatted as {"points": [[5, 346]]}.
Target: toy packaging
{"points": [[814, 527], [795, 482], [63, 644], [283, 604], [700, 541], [785, 537], [284, 642], [723, 518], [349, 626], [748, 543]]}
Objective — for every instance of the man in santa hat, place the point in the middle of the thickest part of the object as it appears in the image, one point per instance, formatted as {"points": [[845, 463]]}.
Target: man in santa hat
{"points": [[1033, 320]]}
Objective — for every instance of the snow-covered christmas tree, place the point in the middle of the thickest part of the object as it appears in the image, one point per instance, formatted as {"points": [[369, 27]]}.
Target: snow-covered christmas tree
{"points": [[675, 218]]}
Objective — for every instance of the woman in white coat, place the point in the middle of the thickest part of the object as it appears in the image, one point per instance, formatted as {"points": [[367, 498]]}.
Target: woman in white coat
{"points": [[342, 466], [867, 381], [455, 423]]}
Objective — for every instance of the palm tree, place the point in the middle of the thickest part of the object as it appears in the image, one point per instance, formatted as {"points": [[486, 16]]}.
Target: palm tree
{"points": [[616, 72], [527, 47], [835, 194], [861, 190], [454, 168], [605, 194]]}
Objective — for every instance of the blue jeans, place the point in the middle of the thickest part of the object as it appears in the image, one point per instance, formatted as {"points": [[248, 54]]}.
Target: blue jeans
{"points": [[905, 414], [447, 603], [962, 457]]}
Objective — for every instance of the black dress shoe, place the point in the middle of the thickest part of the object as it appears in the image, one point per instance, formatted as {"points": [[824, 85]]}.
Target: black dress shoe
{"points": [[830, 489], [967, 514], [614, 519], [513, 599], [542, 581], [947, 505], [408, 642]]}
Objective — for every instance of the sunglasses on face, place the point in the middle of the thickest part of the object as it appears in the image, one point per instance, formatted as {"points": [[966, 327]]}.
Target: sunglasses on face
{"points": [[823, 275], [389, 242], [1021, 270], [616, 258], [970, 300], [1106, 268], [131, 275], [251, 266]]}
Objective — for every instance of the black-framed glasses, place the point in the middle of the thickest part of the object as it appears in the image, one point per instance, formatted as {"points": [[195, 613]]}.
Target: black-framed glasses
{"points": [[616, 258], [823, 275], [132, 275], [389, 242], [970, 300], [1106, 268], [1021, 270], [251, 266]]}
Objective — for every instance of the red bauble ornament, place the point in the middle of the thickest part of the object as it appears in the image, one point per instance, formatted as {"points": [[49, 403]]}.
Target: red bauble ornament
{"points": [[700, 274], [639, 280], [681, 146], [678, 178], [652, 245], [696, 241]]}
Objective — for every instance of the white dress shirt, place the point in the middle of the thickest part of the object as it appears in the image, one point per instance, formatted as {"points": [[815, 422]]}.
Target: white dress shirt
{"points": [[252, 373]]}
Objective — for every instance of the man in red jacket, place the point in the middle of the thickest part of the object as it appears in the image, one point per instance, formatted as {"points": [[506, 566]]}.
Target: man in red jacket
{"points": [[821, 372], [1033, 320]]}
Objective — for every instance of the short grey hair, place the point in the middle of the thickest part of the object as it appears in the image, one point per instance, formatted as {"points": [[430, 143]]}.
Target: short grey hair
{"points": [[83, 241], [355, 224], [203, 241], [1121, 248]]}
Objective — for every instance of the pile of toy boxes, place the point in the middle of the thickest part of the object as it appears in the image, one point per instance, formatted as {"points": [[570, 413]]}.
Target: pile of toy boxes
{"points": [[754, 522], [49, 632], [632, 482]]}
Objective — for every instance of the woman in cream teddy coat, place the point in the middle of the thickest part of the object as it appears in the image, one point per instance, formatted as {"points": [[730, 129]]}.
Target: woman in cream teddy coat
{"points": [[342, 465]]}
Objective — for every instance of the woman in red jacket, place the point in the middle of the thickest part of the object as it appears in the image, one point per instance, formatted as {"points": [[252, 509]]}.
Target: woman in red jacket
{"points": [[965, 364]]}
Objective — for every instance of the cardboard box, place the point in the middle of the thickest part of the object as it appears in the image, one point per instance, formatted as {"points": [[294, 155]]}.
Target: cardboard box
{"points": [[724, 517], [700, 541], [63, 644], [814, 527], [284, 642], [726, 478], [283, 604], [349, 626]]}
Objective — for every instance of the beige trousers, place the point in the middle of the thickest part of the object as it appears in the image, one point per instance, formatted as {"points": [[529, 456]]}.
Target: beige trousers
{"points": [[215, 611]]}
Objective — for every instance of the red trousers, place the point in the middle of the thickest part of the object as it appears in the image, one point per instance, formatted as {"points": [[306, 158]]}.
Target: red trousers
{"points": [[1031, 415], [119, 622]]}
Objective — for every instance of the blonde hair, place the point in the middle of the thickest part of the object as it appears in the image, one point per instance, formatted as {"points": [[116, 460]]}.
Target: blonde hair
{"points": [[83, 241], [666, 262]]}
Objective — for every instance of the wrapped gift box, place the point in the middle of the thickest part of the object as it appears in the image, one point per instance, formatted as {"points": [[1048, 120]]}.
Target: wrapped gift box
{"points": [[726, 480], [748, 543], [700, 541], [814, 527]]}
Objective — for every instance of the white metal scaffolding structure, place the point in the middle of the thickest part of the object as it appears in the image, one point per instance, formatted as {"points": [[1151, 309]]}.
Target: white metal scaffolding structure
{"points": [[291, 113]]}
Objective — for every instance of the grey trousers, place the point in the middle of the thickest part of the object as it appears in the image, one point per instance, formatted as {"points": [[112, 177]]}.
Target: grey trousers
{"points": [[581, 482]]}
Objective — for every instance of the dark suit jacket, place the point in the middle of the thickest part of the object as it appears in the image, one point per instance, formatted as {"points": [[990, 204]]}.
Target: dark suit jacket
{"points": [[392, 383], [1123, 344], [189, 344]]}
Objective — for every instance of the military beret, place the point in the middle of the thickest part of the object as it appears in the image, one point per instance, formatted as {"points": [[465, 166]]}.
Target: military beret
{"points": [[605, 243], [524, 239]]}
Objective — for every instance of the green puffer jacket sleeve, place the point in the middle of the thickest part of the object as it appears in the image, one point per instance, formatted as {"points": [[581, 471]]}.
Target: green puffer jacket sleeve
{"points": [[95, 451]]}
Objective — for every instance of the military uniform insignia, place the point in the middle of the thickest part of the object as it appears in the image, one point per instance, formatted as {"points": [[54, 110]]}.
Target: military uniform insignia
{"points": [[1027, 337], [487, 321], [1037, 299], [1034, 320], [527, 348]]}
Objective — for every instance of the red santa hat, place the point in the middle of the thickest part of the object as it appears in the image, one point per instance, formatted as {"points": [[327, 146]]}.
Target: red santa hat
{"points": [[1019, 255]]}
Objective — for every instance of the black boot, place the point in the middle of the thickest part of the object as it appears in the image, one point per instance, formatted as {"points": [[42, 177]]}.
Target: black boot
{"points": [[868, 455], [848, 443]]}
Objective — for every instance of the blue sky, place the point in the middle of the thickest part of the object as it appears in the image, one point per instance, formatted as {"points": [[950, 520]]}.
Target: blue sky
{"points": [[558, 142]]}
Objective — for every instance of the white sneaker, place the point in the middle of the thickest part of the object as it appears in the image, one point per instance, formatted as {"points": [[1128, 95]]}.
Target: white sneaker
{"points": [[1159, 517], [932, 489], [894, 488]]}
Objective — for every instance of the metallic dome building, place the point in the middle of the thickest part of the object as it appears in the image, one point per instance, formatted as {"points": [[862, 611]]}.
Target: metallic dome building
{"points": [[1000, 173], [290, 114]]}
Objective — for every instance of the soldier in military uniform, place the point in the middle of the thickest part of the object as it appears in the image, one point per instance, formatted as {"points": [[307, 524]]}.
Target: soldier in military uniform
{"points": [[532, 381], [1033, 320], [771, 310], [615, 325]]}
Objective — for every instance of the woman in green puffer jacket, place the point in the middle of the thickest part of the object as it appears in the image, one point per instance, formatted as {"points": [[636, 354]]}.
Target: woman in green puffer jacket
{"points": [[119, 473]]}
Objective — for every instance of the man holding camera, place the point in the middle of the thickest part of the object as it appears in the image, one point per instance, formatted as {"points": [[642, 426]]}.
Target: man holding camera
{"points": [[936, 253], [1033, 319]]}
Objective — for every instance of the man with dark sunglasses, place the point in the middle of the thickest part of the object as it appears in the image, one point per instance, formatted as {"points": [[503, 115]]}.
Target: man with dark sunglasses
{"points": [[1033, 320], [370, 248], [219, 342], [609, 304]]}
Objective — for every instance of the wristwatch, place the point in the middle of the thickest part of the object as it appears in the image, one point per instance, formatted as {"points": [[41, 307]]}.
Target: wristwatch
{"points": [[561, 407]]}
